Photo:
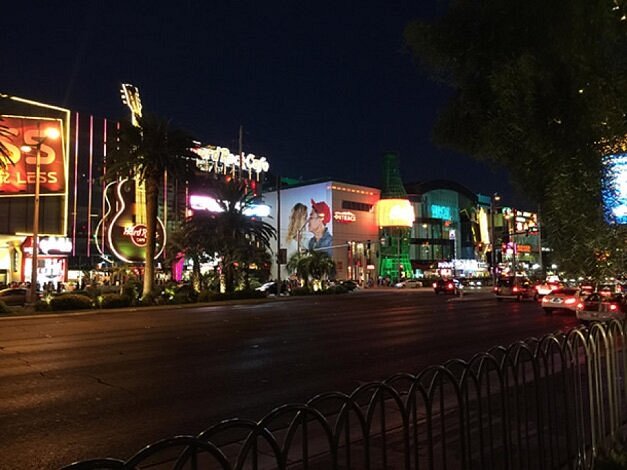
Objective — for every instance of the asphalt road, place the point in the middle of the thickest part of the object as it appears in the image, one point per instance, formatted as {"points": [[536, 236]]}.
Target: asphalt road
{"points": [[79, 386]]}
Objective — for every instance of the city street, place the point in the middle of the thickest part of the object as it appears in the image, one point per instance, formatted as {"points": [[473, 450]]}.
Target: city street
{"points": [[104, 384]]}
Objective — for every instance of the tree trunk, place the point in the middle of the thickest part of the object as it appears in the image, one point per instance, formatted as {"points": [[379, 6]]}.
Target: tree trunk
{"points": [[152, 202], [196, 276]]}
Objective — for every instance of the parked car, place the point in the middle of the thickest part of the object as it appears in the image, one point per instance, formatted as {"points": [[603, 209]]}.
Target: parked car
{"points": [[408, 283], [14, 295], [446, 286], [566, 298], [349, 285], [270, 288], [514, 288], [597, 307]]}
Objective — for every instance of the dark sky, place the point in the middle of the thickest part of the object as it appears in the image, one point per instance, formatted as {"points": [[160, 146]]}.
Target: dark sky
{"points": [[321, 88]]}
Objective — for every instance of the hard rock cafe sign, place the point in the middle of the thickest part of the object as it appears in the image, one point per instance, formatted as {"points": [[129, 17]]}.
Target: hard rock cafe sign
{"points": [[137, 234], [221, 160]]}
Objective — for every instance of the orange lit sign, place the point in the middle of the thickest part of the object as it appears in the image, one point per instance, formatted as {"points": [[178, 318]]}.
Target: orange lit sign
{"points": [[523, 248], [394, 213], [344, 217], [28, 136]]}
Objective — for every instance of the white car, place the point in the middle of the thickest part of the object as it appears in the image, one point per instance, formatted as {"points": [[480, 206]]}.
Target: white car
{"points": [[565, 298], [409, 283]]}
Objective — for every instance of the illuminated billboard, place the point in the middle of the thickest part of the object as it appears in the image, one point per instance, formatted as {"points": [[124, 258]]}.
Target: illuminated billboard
{"points": [[28, 137], [394, 213], [615, 193]]}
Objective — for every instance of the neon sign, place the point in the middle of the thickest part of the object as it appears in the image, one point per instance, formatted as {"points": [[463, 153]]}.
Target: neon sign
{"points": [[441, 212], [344, 217], [207, 203], [56, 244], [221, 160], [137, 233]]}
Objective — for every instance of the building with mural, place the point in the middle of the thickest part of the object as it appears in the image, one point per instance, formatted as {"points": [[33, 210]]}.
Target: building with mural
{"points": [[331, 216]]}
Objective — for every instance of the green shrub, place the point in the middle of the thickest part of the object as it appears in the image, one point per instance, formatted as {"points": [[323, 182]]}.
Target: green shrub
{"points": [[205, 295], [300, 291], [151, 298], [132, 289], [43, 306], [4, 308], [181, 298], [185, 294], [114, 301], [71, 302], [248, 294], [210, 296]]}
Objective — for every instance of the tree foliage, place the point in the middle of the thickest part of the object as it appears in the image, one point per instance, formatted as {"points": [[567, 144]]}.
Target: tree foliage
{"points": [[238, 239], [147, 152], [311, 265], [541, 89]]}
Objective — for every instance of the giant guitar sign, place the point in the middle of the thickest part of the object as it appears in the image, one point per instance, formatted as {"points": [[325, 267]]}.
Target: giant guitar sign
{"points": [[124, 223]]}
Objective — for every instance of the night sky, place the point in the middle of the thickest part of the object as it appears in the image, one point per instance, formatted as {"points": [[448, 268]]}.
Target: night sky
{"points": [[322, 89]]}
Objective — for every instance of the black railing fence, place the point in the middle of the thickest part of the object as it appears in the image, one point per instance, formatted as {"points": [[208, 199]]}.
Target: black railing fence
{"points": [[542, 403]]}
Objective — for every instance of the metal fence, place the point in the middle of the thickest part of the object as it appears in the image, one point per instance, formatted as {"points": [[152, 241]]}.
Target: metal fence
{"points": [[542, 403]]}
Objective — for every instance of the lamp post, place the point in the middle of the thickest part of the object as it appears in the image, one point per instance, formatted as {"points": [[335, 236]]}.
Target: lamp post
{"points": [[53, 134], [495, 198]]}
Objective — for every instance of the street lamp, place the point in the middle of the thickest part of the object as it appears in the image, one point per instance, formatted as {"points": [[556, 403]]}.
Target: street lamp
{"points": [[52, 134], [495, 199]]}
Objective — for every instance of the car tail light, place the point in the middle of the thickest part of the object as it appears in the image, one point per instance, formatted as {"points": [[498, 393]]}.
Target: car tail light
{"points": [[570, 301], [435, 284], [515, 289], [450, 285], [613, 307], [580, 306]]}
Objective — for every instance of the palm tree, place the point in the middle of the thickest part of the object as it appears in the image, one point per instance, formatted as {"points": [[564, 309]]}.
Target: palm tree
{"points": [[312, 265], [232, 231], [5, 154], [147, 152]]}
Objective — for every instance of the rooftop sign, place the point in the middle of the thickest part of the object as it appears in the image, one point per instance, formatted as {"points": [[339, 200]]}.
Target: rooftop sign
{"points": [[221, 160]]}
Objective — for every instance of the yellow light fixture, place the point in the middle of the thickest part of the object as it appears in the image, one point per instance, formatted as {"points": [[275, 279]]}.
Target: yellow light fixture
{"points": [[394, 213]]}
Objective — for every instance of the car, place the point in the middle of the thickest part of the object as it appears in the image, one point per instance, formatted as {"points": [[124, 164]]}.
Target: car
{"points": [[547, 287], [515, 288], [446, 286], [609, 289], [14, 295], [270, 288], [597, 307], [566, 298], [409, 283], [587, 287], [349, 285]]}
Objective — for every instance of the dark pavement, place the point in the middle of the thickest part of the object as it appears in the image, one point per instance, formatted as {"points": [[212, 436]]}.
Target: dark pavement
{"points": [[80, 386]]}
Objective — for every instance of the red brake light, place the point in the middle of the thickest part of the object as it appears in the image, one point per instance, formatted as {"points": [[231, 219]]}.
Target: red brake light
{"points": [[570, 301], [515, 289], [450, 285], [580, 305], [613, 307], [435, 284]]}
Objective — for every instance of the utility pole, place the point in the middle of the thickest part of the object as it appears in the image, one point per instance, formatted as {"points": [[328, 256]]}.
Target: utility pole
{"points": [[241, 151], [493, 201], [540, 262], [278, 235]]}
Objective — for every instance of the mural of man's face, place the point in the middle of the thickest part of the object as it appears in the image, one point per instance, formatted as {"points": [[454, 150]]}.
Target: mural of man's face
{"points": [[314, 223]]}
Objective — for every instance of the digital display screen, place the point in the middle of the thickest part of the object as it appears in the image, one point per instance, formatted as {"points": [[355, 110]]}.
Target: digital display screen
{"points": [[615, 192]]}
